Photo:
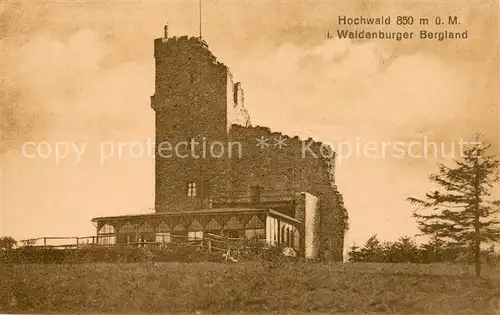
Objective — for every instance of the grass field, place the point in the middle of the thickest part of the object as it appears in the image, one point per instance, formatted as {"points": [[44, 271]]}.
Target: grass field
{"points": [[248, 287]]}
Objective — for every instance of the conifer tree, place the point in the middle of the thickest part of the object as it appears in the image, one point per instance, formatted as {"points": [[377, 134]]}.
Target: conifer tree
{"points": [[462, 212]]}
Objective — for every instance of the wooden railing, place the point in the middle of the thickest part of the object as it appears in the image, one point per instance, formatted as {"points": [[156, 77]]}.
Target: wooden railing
{"points": [[215, 242], [45, 241], [209, 242], [230, 249]]}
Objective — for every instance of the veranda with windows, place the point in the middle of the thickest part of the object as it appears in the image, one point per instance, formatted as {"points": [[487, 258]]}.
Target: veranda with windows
{"points": [[192, 226]]}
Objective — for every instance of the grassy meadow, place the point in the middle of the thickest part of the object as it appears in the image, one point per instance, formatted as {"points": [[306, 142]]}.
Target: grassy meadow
{"points": [[249, 287]]}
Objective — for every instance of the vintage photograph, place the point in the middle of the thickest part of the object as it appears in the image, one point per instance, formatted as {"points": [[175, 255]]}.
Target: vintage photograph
{"points": [[220, 157]]}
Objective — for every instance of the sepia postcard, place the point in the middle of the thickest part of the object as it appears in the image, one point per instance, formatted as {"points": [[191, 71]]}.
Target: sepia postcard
{"points": [[250, 157]]}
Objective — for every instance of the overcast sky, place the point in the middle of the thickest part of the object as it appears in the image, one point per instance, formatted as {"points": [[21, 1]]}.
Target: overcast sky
{"points": [[85, 72]]}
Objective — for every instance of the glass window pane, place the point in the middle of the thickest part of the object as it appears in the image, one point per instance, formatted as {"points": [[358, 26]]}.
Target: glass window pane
{"points": [[162, 237], [195, 235]]}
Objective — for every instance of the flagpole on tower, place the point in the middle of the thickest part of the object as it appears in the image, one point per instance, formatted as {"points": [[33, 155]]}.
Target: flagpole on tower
{"points": [[199, 9]]}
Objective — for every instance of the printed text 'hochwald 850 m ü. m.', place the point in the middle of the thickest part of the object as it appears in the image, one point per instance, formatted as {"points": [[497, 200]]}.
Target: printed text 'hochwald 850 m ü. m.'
{"points": [[399, 28]]}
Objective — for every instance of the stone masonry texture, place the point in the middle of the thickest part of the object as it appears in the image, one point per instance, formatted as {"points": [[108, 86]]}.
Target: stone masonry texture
{"points": [[197, 103]]}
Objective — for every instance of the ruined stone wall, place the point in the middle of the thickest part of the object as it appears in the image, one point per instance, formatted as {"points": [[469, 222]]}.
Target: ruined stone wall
{"points": [[236, 111], [297, 165]]}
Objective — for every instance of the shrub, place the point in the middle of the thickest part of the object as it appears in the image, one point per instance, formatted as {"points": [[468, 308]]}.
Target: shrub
{"points": [[273, 257], [115, 254], [7, 243], [405, 250], [253, 248]]}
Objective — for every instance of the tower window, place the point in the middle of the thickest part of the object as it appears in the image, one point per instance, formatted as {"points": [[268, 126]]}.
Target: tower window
{"points": [[191, 192]]}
